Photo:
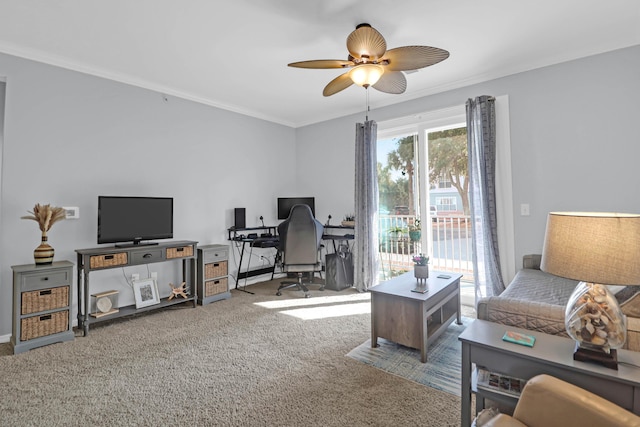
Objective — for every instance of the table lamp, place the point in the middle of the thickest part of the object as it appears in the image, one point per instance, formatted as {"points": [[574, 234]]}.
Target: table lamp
{"points": [[598, 249]]}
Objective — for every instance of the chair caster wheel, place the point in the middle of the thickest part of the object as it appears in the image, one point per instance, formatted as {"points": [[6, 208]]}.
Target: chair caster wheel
{"points": [[278, 293], [307, 295]]}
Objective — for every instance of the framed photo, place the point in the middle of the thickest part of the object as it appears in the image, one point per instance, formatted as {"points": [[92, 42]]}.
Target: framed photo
{"points": [[146, 292]]}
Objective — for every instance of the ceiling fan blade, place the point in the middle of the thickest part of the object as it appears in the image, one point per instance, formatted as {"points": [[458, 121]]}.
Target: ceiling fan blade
{"points": [[414, 57], [323, 64], [341, 82], [366, 42], [391, 82]]}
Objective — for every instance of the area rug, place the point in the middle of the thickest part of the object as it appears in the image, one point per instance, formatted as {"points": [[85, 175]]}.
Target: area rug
{"points": [[442, 370]]}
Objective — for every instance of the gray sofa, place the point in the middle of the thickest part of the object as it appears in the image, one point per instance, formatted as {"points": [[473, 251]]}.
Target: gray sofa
{"points": [[536, 300]]}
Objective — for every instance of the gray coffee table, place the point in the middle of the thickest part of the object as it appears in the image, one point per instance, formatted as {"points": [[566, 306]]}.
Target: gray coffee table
{"points": [[402, 316]]}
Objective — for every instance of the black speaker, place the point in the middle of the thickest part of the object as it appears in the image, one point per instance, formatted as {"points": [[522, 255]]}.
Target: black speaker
{"points": [[240, 218]]}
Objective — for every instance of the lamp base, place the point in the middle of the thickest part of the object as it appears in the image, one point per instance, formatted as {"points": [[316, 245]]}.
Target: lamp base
{"points": [[608, 360]]}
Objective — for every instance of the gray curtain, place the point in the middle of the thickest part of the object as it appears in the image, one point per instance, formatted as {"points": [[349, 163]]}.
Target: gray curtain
{"points": [[481, 145], [365, 252]]}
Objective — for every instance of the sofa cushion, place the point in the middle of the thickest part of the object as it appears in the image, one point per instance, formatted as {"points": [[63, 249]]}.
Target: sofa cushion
{"points": [[536, 285]]}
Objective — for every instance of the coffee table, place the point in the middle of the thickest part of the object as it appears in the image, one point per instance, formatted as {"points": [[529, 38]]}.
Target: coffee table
{"points": [[414, 319]]}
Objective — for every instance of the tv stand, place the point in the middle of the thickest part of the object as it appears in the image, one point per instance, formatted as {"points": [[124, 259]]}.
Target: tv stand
{"points": [[115, 257]]}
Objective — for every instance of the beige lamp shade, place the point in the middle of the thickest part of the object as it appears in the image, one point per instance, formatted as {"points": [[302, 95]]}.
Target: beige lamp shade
{"points": [[593, 247]]}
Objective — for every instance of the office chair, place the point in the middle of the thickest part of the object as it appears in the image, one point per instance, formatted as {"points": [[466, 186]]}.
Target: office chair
{"points": [[300, 236]]}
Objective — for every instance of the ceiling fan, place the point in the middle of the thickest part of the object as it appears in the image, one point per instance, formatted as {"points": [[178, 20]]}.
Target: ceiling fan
{"points": [[371, 64]]}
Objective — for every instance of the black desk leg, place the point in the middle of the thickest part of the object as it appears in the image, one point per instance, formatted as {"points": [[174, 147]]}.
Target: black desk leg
{"points": [[240, 269]]}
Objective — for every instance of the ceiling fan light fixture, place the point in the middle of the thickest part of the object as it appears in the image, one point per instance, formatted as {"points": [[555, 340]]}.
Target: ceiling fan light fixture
{"points": [[366, 75]]}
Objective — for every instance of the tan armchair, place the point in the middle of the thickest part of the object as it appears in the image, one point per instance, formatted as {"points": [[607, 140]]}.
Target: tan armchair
{"points": [[549, 402]]}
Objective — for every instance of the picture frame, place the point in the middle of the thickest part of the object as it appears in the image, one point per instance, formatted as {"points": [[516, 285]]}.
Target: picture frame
{"points": [[146, 292]]}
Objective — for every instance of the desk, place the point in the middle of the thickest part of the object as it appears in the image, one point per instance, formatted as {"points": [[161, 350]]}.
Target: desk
{"points": [[237, 235], [272, 241], [338, 233]]}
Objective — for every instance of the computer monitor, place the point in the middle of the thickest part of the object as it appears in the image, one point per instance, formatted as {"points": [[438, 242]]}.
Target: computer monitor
{"points": [[286, 203]]}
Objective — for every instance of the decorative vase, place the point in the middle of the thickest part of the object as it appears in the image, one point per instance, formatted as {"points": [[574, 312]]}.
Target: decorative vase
{"points": [[415, 235], [43, 254], [421, 272], [594, 319]]}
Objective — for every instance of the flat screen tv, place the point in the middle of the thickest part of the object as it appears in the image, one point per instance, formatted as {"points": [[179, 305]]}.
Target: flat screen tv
{"points": [[123, 219], [286, 203]]}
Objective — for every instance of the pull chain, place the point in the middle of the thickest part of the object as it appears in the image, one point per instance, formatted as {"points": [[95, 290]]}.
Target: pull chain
{"points": [[367, 104]]}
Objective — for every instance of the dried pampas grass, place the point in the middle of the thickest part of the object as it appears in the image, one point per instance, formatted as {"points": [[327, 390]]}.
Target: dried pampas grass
{"points": [[46, 216]]}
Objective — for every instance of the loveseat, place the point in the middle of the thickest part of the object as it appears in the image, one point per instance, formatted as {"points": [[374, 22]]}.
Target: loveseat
{"points": [[536, 300]]}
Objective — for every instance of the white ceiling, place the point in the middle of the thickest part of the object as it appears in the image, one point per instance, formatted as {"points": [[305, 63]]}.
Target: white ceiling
{"points": [[234, 54]]}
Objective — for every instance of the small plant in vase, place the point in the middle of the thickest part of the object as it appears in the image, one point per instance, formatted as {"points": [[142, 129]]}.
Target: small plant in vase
{"points": [[415, 231], [349, 220], [45, 216], [421, 267]]}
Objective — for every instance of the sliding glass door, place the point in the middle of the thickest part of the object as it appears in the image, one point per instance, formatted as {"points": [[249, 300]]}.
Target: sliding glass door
{"points": [[424, 203]]}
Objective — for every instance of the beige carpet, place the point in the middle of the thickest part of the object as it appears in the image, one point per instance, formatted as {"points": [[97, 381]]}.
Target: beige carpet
{"points": [[252, 360]]}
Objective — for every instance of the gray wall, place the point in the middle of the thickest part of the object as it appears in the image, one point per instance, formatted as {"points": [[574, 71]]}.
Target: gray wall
{"points": [[574, 141], [70, 137]]}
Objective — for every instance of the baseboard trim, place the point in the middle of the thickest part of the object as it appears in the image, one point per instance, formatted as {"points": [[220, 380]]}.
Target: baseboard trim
{"points": [[5, 338]]}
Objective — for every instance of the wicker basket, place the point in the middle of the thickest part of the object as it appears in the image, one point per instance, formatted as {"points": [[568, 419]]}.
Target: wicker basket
{"points": [[44, 299], [110, 260], [214, 287], [47, 324], [215, 269], [181, 252]]}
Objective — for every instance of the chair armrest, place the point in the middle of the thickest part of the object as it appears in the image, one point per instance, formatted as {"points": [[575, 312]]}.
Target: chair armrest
{"points": [[547, 401]]}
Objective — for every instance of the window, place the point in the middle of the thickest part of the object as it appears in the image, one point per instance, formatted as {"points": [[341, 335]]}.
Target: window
{"points": [[446, 203], [444, 181]]}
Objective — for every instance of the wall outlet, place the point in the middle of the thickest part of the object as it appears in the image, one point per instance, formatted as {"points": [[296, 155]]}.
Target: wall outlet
{"points": [[135, 277], [72, 212], [154, 275]]}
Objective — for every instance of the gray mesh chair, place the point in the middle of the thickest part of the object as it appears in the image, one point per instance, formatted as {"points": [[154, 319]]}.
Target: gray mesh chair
{"points": [[299, 237]]}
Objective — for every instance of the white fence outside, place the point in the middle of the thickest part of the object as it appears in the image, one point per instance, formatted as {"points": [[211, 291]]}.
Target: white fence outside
{"points": [[447, 240]]}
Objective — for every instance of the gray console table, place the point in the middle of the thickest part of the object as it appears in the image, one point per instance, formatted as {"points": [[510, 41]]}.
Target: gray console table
{"points": [[114, 257], [482, 345]]}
